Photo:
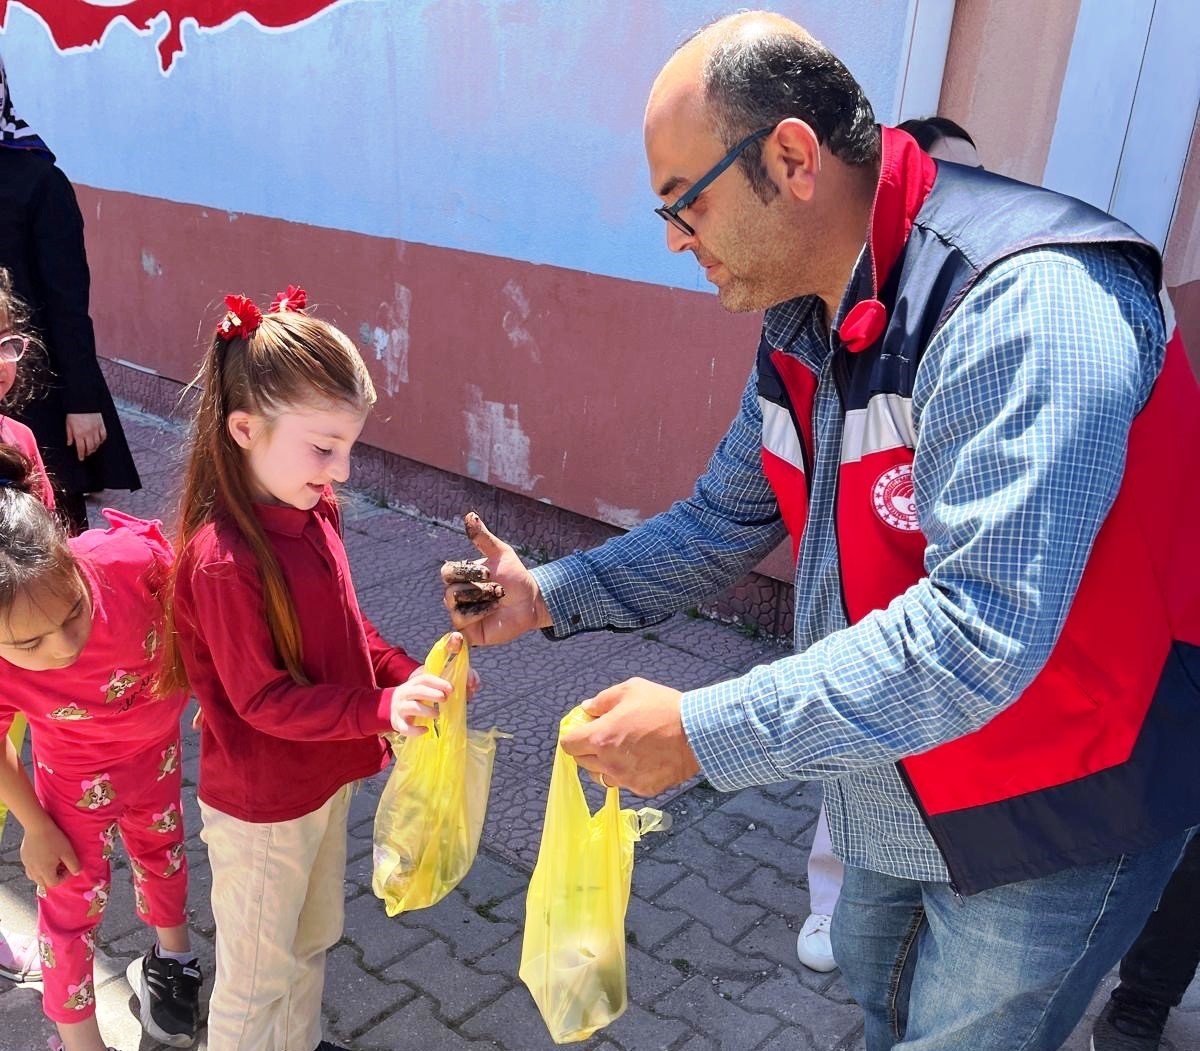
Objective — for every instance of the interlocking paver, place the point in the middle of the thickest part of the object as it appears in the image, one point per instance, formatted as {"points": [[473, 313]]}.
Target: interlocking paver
{"points": [[828, 1025], [459, 990], [712, 920], [726, 918], [700, 1002]]}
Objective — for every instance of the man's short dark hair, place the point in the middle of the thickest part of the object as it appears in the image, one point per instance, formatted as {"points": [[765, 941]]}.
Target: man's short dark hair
{"points": [[755, 82]]}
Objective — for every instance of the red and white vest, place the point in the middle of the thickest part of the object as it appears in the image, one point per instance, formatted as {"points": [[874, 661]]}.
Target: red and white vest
{"points": [[1099, 755]]}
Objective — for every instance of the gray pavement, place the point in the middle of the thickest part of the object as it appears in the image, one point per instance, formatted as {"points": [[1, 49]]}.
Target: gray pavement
{"points": [[716, 901]]}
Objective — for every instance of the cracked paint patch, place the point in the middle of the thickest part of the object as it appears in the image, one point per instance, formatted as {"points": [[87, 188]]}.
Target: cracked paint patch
{"points": [[514, 320], [151, 266], [497, 448], [388, 340], [625, 517]]}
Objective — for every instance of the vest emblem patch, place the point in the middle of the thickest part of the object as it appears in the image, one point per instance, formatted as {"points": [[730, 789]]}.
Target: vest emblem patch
{"points": [[892, 497]]}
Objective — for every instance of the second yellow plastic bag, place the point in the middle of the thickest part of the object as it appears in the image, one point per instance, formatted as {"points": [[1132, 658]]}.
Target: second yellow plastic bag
{"points": [[431, 812], [573, 953]]}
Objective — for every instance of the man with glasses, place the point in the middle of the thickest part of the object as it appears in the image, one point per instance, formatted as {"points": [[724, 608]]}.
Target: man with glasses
{"points": [[973, 419]]}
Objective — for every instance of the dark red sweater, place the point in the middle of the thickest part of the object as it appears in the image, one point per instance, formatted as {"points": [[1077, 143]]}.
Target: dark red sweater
{"points": [[271, 750]]}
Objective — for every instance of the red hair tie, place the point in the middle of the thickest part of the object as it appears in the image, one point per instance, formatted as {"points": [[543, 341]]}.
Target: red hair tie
{"points": [[294, 299], [241, 319]]}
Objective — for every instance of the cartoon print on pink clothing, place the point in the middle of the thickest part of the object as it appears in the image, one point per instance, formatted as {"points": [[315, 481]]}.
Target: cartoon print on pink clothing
{"points": [[170, 761], [167, 821], [174, 860], [108, 842], [151, 643], [139, 873], [139, 901], [89, 943], [96, 793], [70, 713], [81, 996], [98, 896], [46, 950], [118, 686]]}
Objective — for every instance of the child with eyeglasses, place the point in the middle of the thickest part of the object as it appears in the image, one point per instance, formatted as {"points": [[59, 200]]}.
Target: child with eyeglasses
{"points": [[20, 960], [15, 341]]}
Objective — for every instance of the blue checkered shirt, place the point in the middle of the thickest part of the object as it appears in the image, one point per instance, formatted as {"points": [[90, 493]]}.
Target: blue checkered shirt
{"points": [[1022, 406]]}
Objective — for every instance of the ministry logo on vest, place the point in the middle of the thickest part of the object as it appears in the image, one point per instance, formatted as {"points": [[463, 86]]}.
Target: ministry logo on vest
{"points": [[892, 497]]}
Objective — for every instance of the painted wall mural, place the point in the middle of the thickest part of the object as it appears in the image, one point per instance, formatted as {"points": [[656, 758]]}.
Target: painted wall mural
{"points": [[74, 25], [460, 184]]}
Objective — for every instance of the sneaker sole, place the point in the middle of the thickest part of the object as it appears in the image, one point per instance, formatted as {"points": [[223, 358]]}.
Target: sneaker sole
{"points": [[137, 982]]}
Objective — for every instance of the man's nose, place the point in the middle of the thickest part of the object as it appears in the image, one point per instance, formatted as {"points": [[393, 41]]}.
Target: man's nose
{"points": [[678, 240]]}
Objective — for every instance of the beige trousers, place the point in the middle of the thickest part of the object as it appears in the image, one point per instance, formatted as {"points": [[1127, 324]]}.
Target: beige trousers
{"points": [[277, 897]]}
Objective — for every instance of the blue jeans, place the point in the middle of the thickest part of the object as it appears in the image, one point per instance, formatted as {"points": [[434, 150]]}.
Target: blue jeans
{"points": [[1010, 969]]}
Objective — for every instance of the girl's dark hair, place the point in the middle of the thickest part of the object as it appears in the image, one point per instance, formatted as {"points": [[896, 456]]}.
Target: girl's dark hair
{"points": [[753, 82], [290, 360], [930, 130], [33, 544], [18, 318]]}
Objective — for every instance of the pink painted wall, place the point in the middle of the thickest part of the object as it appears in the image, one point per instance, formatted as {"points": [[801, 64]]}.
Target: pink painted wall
{"points": [[1004, 72], [1182, 255], [606, 386]]}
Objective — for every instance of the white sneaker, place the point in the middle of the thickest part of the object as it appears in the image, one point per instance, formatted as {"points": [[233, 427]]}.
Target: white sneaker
{"points": [[813, 946]]}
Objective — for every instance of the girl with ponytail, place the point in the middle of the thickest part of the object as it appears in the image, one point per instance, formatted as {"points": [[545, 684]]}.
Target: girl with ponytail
{"points": [[80, 624], [295, 685]]}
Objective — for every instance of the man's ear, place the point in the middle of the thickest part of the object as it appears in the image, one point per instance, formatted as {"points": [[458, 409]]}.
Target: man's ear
{"points": [[792, 154], [243, 427]]}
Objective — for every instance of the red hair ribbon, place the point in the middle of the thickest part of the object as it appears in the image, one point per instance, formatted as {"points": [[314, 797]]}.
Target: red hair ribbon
{"points": [[295, 298], [241, 319]]}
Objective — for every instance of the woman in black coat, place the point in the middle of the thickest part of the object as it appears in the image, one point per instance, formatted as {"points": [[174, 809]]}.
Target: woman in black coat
{"points": [[70, 410]]}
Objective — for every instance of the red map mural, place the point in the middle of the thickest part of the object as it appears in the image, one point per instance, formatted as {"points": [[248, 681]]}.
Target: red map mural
{"points": [[75, 24]]}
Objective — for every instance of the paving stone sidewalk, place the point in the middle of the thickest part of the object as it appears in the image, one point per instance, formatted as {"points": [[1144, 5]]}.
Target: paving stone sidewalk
{"points": [[716, 901]]}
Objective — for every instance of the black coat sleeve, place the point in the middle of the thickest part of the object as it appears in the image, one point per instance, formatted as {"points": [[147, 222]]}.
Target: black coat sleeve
{"points": [[62, 274]]}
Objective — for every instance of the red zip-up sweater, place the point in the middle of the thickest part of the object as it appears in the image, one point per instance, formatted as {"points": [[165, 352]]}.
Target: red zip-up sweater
{"points": [[272, 750]]}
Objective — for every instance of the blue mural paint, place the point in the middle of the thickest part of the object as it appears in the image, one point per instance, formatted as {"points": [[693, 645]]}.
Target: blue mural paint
{"points": [[506, 127]]}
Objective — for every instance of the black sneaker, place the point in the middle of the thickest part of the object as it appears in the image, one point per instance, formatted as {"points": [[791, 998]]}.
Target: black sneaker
{"points": [[1129, 1023], [168, 994], [325, 1045]]}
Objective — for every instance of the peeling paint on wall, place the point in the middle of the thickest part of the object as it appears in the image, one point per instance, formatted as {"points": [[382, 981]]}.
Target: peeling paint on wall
{"points": [[625, 517], [388, 340], [151, 266], [514, 320], [497, 448]]}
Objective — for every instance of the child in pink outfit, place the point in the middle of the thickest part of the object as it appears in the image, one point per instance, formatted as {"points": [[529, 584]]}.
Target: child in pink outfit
{"points": [[80, 631]]}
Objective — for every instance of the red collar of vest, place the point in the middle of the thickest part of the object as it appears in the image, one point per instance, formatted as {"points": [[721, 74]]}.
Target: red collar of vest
{"points": [[906, 175]]}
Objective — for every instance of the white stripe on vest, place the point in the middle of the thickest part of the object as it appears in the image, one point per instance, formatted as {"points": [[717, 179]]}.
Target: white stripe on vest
{"points": [[886, 423], [779, 435]]}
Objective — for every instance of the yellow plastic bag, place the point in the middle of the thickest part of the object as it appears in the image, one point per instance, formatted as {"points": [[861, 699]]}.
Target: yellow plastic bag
{"points": [[573, 953], [431, 812]]}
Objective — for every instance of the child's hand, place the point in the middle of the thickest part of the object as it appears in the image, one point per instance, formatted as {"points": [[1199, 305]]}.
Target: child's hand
{"points": [[47, 855], [417, 699], [454, 646]]}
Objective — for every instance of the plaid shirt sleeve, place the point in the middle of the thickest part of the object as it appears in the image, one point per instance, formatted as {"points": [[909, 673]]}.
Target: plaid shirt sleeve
{"points": [[696, 547], [1023, 405]]}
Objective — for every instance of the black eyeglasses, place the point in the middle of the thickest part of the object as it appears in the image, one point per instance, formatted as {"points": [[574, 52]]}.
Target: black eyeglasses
{"points": [[670, 212]]}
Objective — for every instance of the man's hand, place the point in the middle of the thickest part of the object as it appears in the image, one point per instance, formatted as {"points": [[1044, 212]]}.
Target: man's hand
{"points": [[85, 431], [492, 599], [636, 739], [47, 854]]}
